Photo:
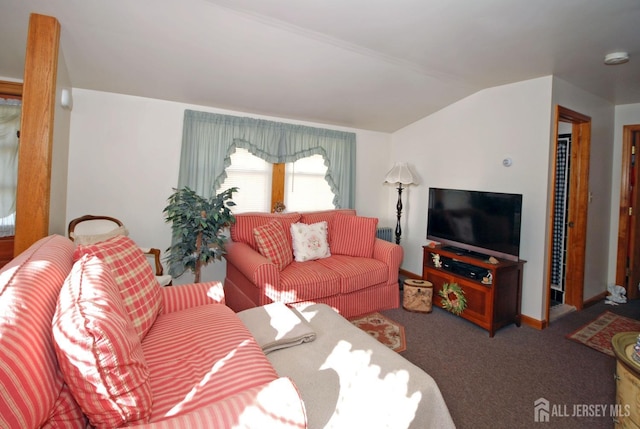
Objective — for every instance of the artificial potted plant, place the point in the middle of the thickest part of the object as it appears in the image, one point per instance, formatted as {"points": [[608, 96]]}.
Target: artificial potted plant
{"points": [[197, 224]]}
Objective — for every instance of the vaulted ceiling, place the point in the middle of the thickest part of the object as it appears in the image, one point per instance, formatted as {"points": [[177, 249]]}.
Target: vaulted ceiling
{"points": [[377, 65]]}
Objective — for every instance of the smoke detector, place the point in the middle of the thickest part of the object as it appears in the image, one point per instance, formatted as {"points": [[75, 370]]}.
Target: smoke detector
{"points": [[615, 58]]}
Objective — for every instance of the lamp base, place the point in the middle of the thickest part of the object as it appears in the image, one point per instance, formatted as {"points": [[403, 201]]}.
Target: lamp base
{"points": [[399, 210]]}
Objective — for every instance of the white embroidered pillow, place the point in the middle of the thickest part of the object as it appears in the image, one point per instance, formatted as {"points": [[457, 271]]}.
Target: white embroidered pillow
{"points": [[310, 241]]}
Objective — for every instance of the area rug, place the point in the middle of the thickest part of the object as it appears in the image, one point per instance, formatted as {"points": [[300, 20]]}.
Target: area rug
{"points": [[598, 334], [385, 330]]}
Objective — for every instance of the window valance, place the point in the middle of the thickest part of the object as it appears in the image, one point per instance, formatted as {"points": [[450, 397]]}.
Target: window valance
{"points": [[209, 139]]}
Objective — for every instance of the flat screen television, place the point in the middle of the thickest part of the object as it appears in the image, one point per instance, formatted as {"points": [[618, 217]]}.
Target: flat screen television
{"points": [[475, 222]]}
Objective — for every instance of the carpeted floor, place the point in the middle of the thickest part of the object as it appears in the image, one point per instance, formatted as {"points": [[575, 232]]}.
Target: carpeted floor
{"points": [[493, 382]]}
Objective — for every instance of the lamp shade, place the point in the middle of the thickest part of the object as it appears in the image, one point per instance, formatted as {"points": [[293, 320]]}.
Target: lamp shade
{"points": [[400, 173]]}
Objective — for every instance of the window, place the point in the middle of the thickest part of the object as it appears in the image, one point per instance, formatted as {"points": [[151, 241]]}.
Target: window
{"points": [[9, 126], [301, 184], [306, 188], [252, 176]]}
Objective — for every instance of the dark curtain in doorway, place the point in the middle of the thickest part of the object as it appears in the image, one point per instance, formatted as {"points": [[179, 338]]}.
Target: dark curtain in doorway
{"points": [[560, 211]]}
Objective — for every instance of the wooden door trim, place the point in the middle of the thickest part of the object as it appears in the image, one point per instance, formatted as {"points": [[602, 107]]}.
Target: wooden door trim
{"points": [[578, 209], [625, 205], [579, 194]]}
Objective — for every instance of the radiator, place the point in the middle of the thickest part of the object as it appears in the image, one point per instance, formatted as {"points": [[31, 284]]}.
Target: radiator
{"points": [[385, 233]]}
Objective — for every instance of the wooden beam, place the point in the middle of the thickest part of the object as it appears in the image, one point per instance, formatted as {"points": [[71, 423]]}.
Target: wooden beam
{"points": [[277, 184], [11, 88], [36, 134]]}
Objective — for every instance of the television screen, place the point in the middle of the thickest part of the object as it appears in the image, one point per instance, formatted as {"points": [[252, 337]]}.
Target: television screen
{"points": [[475, 221]]}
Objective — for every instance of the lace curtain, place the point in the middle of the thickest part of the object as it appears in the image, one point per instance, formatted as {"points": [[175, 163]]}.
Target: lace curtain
{"points": [[9, 126], [209, 139]]}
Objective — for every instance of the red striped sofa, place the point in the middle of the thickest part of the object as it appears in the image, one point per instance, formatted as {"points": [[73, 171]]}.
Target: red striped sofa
{"points": [[85, 342], [353, 285]]}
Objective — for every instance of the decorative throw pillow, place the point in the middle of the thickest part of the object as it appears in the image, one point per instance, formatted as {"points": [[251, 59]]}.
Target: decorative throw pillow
{"points": [[273, 244], [98, 348], [353, 235], [139, 288], [310, 241]]}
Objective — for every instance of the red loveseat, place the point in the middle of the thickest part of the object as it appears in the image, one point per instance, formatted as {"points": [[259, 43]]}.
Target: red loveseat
{"points": [[88, 337], [359, 277]]}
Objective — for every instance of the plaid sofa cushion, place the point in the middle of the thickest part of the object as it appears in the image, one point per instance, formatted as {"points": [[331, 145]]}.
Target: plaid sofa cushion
{"points": [[98, 348], [273, 244], [139, 288]]}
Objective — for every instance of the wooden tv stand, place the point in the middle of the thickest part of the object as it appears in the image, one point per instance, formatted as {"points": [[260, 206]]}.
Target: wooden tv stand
{"points": [[490, 306]]}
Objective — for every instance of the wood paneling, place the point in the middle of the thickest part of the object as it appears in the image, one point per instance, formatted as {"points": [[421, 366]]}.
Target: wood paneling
{"points": [[36, 135]]}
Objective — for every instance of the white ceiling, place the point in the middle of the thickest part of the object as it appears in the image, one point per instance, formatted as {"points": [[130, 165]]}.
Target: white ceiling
{"points": [[371, 64]]}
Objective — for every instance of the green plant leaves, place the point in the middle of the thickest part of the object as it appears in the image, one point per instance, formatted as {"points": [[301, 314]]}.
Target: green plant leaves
{"points": [[197, 224]]}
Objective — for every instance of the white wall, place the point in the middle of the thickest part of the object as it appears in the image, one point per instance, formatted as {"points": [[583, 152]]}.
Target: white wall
{"points": [[60, 154], [599, 234], [463, 145], [124, 157], [627, 114], [124, 160]]}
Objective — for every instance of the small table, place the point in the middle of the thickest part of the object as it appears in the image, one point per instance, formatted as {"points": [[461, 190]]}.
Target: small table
{"points": [[418, 296], [627, 380]]}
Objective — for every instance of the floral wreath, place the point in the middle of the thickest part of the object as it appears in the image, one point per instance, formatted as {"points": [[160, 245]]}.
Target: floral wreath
{"points": [[453, 298]]}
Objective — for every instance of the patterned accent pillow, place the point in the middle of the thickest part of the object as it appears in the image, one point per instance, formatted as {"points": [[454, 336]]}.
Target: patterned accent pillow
{"points": [[98, 348], [273, 244], [310, 241], [132, 272], [353, 235]]}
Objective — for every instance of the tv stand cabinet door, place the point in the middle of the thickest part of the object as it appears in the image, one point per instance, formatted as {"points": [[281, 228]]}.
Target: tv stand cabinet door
{"points": [[479, 302]]}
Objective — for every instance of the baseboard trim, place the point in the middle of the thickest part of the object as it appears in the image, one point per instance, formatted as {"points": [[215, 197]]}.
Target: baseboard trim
{"points": [[595, 299], [409, 274], [533, 323]]}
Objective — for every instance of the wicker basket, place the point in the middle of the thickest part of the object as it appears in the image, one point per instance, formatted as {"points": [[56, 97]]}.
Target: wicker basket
{"points": [[418, 296]]}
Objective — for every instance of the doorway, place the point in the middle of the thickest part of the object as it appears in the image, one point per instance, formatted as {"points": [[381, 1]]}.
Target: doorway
{"points": [[628, 256], [568, 213]]}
